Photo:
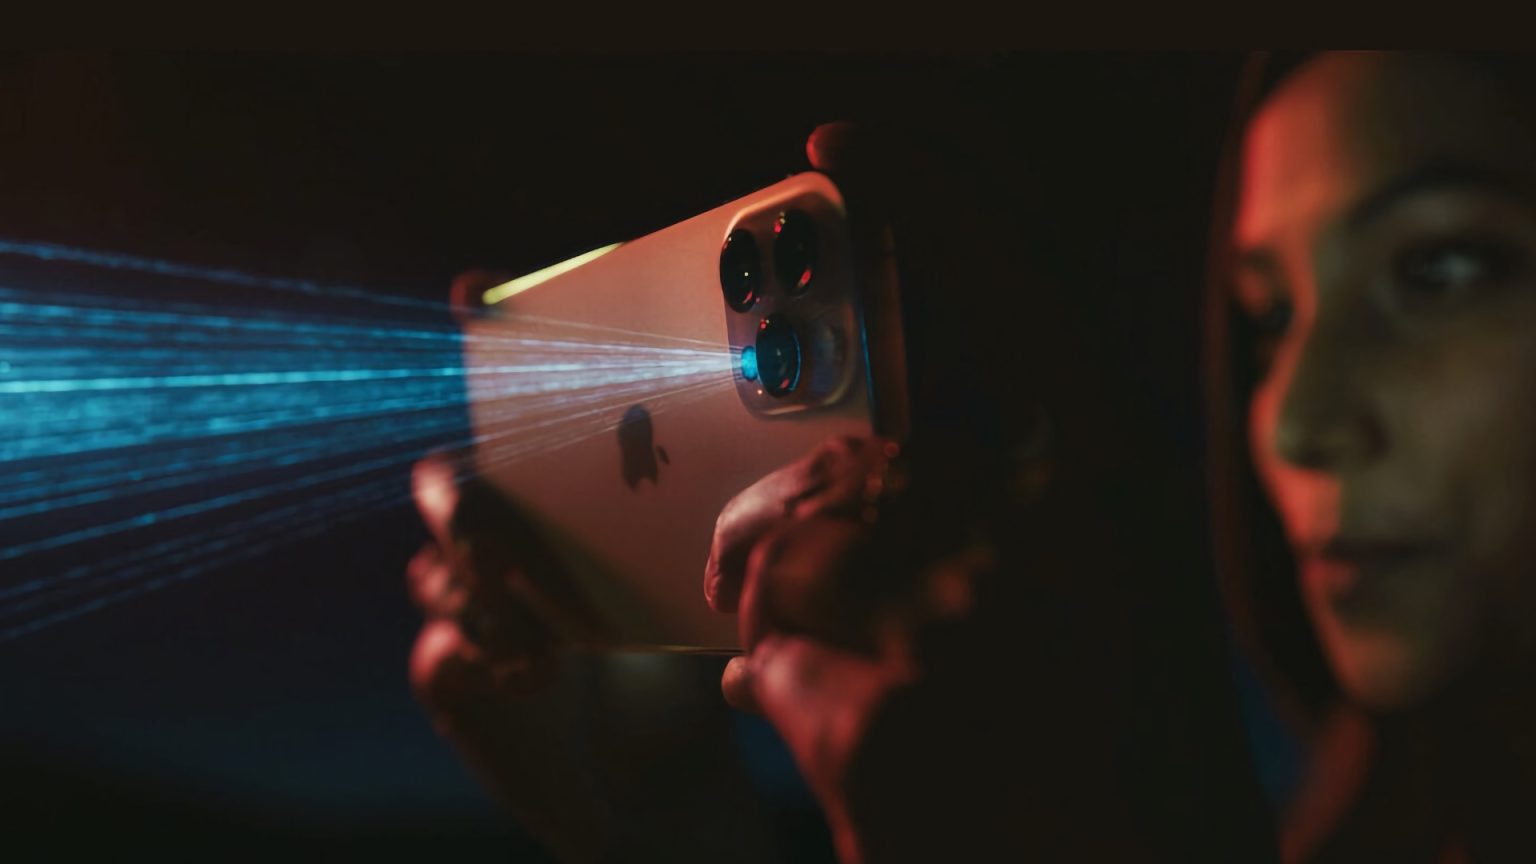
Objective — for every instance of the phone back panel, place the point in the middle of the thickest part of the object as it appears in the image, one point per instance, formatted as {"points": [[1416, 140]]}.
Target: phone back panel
{"points": [[605, 404]]}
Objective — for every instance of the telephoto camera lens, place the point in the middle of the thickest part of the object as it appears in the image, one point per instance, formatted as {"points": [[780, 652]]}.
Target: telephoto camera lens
{"points": [[778, 356], [741, 270], [794, 250]]}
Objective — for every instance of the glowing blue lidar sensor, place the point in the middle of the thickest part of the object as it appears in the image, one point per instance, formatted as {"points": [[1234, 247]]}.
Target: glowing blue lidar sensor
{"points": [[749, 363]]}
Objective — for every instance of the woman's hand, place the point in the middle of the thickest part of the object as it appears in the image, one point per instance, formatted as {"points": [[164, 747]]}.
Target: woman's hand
{"points": [[497, 601], [825, 657], [487, 664]]}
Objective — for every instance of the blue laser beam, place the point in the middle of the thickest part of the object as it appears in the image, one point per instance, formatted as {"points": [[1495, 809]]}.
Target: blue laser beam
{"points": [[26, 431], [182, 470], [145, 442], [180, 270], [141, 520], [241, 548], [570, 429], [245, 535], [227, 414], [335, 420], [159, 267]]}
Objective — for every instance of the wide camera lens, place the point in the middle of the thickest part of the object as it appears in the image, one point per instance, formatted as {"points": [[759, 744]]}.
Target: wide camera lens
{"points": [[741, 270], [778, 356], [794, 250]]}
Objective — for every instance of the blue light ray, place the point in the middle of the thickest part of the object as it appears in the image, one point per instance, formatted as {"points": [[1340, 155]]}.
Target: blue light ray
{"points": [[243, 539], [152, 559], [199, 507], [571, 429], [26, 307], [232, 422], [126, 425], [229, 276], [194, 472], [175, 269], [241, 549], [261, 401], [180, 469], [338, 420]]}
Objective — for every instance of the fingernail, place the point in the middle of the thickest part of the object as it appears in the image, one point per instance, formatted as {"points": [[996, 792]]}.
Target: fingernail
{"points": [[432, 487], [828, 146]]}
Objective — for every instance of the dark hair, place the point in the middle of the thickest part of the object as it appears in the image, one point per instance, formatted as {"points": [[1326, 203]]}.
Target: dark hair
{"points": [[1254, 563]]}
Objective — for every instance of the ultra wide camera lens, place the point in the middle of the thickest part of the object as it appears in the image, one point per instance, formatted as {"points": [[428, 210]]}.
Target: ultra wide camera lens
{"points": [[778, 356], [741, 270], [794, 250]]}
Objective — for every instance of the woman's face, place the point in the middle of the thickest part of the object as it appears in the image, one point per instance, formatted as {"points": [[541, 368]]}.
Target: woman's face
{"points": [[1386, 240]]}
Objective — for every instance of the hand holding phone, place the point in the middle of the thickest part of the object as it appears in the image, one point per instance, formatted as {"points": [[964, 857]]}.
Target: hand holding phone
{"points": [[619, 400], [503, 609], [487, 664]]}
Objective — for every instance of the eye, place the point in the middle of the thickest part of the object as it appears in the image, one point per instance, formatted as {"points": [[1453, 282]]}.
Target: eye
{"points": [[1266, 315], [1271, 319], [1264, 302], [1445, 273], [1267, 326]]}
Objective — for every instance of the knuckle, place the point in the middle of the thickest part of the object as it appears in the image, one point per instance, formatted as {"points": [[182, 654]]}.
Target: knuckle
{"points": [[770, 550], [727, 516], [841, 446]]}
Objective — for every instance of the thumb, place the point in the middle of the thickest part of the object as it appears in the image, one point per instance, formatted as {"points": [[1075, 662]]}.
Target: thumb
{"points": [[830, 146], [820, 699], [435, 489]]}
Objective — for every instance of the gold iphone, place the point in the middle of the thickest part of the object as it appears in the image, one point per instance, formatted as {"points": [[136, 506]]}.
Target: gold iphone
{"points": [[620, 399]]}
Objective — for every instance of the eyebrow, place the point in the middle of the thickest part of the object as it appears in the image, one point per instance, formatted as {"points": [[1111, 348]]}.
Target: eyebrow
{"points": [[1438, 175]]}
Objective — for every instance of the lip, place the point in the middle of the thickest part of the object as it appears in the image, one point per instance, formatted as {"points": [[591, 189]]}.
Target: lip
{"points": [[1363, 575], [1364, 551]]}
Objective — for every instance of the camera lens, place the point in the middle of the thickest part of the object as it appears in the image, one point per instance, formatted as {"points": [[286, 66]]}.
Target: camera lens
{"points": [[778, 356], [794, 250], [741, 270]]}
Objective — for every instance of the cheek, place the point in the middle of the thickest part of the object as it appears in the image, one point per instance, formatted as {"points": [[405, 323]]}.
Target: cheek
{"points": [[1262, 414], [1476, 430]]}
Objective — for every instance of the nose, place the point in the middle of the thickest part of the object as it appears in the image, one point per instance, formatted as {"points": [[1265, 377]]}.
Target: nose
{"points": [[1327, 419]]}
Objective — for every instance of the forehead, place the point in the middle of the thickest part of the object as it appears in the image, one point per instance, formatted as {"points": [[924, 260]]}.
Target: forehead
{"points": [[1344, 124]]}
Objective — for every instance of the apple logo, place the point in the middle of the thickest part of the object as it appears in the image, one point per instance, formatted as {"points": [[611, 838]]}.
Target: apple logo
{"points": [[638, 453]]}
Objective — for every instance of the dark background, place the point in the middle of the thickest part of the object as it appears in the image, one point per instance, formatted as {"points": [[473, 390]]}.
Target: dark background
{"points": [[272, 697]]}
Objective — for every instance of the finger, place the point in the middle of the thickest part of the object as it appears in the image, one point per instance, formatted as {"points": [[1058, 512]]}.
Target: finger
{"points": [[820, 699], [736, 686], [430, 582], [796, 582], [503, 626], [503, 558], [442, 669], [848, 478], [490, 602], [831, 478], [452, 675], [742, 522], [466, 292], [829, 146], [435, 488]]}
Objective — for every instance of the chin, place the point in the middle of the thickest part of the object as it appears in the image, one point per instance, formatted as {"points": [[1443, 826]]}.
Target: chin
{"points": [[1384, 672]]}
